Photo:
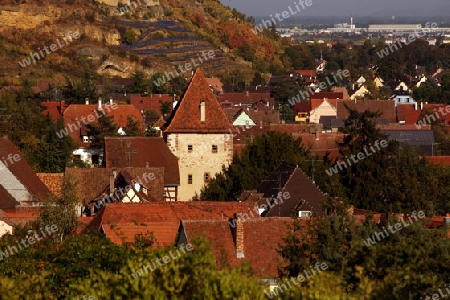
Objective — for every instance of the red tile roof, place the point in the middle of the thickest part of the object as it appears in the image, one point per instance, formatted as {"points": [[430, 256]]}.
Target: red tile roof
{"points": [[74, 113], [328, 95], [21, 170], [54, 109], [53, 181], [262, 238], [215, 83], [92, 182], [385, 107], [122, 222], [21, 218], [317, 102], [438, 160], [408, 114], [186, 116], [152, 102], [260, 112], [306, 73], [139, 152]]}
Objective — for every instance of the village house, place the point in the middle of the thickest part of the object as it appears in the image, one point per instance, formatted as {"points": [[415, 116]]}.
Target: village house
{"points": [[77, 117]]}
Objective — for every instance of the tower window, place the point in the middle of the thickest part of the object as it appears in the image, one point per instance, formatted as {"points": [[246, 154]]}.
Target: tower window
{"points": [[206, 177], [214, 149], [190, 179], [190, 148]]}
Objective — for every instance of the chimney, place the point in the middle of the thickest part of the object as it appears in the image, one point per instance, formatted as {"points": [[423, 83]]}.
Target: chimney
{"points": [[421, 105], [415, 106], [317, 134], [112, 178], [239, 235], [246, 93], [260, 124], [202, 110], [99, 103], [111, 101], [87, 101]]}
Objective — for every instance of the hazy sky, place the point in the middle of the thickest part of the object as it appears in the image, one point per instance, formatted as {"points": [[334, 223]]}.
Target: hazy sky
{"points": [[345, 7]]}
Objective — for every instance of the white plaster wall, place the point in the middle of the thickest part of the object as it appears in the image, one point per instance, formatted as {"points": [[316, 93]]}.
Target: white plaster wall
{"points": [[200, 160]]}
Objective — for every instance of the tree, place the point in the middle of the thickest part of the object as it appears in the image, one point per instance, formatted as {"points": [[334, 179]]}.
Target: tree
{"points": [[61, 212], [133, 128], [105, 127], [260, 157]]}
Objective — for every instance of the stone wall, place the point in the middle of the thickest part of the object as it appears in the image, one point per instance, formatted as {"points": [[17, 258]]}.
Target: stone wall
{"points": [[200, 160]]}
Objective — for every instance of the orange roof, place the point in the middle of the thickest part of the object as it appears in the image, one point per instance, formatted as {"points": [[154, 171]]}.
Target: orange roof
{"points": [[75, 113], [21, 218], [186, 116], [151, 102], [408, 113], [122, 222], [438, 160], [317, 102], [262, 237], [385, 107], [53, 181], [54, 109]]}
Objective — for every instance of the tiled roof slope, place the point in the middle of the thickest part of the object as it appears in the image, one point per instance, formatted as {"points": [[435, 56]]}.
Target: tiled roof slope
{"points": [[140, 152], [92, 182], [303, 193], [7, 202], [385, 107], [22, 171], [75, 112], [163, 219], [262, 238], [53, 181], [186, 116]]}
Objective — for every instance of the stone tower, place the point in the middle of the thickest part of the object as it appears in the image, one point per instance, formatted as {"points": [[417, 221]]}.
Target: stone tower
{"points": [[199, 133]]}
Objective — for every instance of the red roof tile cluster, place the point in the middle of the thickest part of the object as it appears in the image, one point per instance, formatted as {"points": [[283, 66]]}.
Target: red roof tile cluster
{"points": [[186, 118], [54, 109], [215, 84], [122, 222], [21, 218], [75, 112], [21, 170], [262, 237], [317, 102], [261, 112], [53, 181], [140, 152], [92, 182], [408, 113], [385, 107], [438, 160], [322, 143], [152, 102], [306, 73]]}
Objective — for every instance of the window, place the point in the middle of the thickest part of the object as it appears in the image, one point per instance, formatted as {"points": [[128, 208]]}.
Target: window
{"points": [[304, 214], [214, 149], [190, 179], [206, 177], [189, 148]]}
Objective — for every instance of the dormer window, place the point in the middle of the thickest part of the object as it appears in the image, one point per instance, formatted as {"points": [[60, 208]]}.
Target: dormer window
{"points": [[202, 110]]}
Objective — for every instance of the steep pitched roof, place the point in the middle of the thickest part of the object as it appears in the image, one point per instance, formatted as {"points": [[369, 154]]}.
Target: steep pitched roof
{"points": [[17, 175], [303, 193], [7, 202], [186, 116], [139, 152], [53, 181]]}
